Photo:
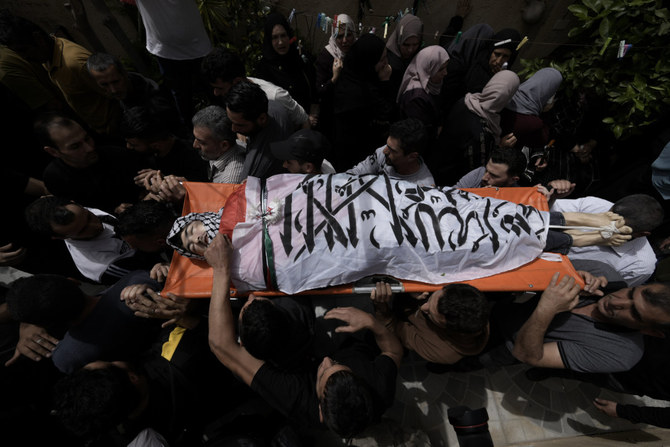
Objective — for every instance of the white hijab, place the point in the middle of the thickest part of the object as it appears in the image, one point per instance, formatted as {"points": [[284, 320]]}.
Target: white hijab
{"points": [[345, 22]]}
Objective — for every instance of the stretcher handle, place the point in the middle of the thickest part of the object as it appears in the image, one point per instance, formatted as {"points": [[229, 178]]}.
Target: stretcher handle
{"points": [[367, 284]]}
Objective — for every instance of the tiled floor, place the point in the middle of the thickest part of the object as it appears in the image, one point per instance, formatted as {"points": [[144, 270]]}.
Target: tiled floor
{"points": [[520, 412]]}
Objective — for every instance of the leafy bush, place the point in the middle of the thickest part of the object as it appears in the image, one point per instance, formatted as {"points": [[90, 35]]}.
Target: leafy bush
{"points": [[236, 25], [637, 87]]}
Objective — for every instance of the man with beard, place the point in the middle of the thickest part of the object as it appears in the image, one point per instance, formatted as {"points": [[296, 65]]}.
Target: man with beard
{"points": [[401, 156]]}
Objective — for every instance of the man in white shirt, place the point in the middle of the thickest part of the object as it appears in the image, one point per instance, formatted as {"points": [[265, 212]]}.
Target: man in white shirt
{"points": [[223, 69], [401, 157], [635, 260], [89, 235]]}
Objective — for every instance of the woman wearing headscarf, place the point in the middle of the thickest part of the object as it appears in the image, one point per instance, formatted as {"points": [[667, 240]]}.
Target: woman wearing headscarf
{"points": [[282, 64], [403, 44], [329, 67], [473, 129], [364, 104], [522, 114], [419, 95], [475, 59]]}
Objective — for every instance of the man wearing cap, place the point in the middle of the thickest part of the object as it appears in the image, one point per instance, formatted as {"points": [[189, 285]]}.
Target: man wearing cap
{"points": [[401, 157], [304, 152]]}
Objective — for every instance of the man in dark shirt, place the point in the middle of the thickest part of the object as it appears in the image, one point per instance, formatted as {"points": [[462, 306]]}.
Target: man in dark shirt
{"points": [[150, 135], [91, 176], [344, 398], [248, 109]]}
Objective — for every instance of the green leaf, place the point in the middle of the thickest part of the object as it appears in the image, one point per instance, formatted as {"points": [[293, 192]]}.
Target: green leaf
{"points": [[664, 28], [604, 28], [593, 5], [662, 13], [608, 120], [618, 130], [579, 11]]}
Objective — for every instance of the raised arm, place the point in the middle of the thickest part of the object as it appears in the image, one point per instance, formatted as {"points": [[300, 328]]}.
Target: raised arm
{"points": [[529, 346], [222, 339]]}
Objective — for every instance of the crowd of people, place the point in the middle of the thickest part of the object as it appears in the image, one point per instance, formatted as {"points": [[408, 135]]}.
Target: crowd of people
{"points": [[96, 158]]}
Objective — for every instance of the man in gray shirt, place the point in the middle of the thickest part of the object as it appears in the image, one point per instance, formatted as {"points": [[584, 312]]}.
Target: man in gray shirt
{"points": [[401, 157]]}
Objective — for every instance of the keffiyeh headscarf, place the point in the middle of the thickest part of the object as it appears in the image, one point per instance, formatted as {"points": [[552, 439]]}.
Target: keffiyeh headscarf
{"points": [[426, 63], [344, 24], [209, 219], [494, 97]]}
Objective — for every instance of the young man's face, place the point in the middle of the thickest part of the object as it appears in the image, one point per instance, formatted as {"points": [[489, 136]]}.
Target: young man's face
{"points": [[295, 167], [113, 82], [84, 226], [194, 237], [220, 87], [429, 309], [497, 175], [73, 145], [241, 125], [137, 145], [395, 155], [209, 146], [628, 307]]}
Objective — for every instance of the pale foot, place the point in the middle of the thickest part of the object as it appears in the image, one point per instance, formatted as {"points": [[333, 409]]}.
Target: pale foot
{"points": [[587, 238], [595, 220]]}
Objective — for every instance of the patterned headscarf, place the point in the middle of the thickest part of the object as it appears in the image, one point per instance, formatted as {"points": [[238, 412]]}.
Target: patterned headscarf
{"points": [[426, 63], [343, 21], [209, 219]]}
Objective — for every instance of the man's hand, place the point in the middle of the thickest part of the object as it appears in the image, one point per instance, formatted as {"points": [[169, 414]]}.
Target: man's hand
{"points": [[219, 253], [544, 191], [559, 296], [34, 343], [381, 294], [381, 297], [142, 175], [9, 256], [153, 182], [508, 140], [171, 189], [159, 272], [606, 406], [561, 188], [592, 283], [356, 319], [133, 293]]}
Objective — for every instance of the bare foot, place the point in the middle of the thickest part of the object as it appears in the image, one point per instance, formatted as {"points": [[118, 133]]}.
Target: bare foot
{"points": [[583, 239], [595, 220]]}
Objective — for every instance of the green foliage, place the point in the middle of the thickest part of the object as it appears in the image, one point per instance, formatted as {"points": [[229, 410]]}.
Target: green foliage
{"points": [[637, 87], [236, 25]]}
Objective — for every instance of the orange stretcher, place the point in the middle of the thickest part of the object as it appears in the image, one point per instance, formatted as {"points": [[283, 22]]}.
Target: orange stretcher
{"points": [[191, 278]]}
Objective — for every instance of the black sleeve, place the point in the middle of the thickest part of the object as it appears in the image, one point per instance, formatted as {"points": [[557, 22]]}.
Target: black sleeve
{"points": [[658, 416], [454, 26], [386, 373], [291, 394]]}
